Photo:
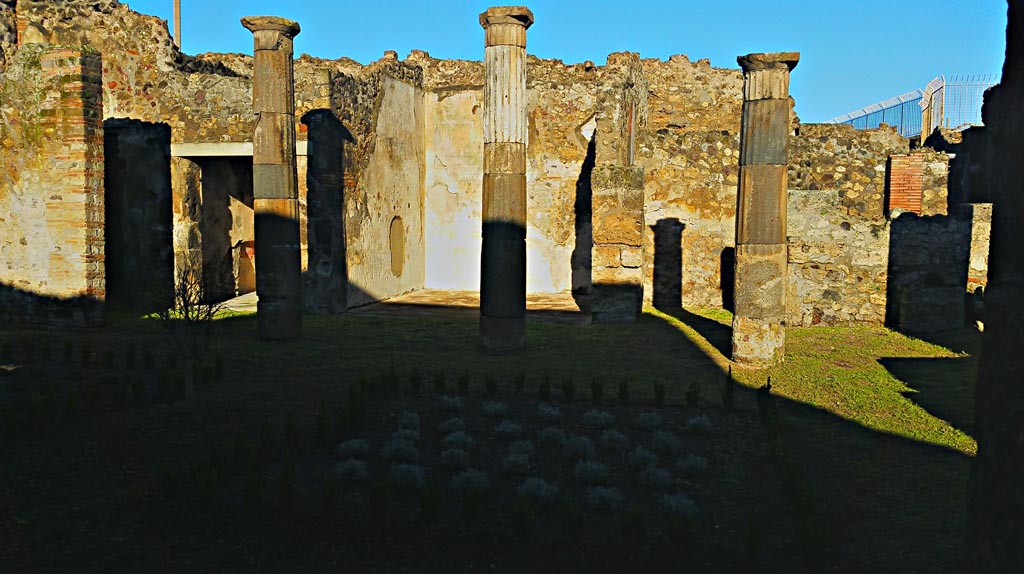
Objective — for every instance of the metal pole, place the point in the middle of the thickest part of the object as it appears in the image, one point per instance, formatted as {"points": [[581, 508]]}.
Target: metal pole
{"points": [[177, 23]]}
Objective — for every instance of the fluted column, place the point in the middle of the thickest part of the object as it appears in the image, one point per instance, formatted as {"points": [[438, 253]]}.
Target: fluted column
{"points": [[275, 182], [503, 256], [758, 327]]}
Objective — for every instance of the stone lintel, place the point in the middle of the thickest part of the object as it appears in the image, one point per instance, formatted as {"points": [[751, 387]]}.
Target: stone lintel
{"points": [[287, 28], [769, 60], [518, 15]]}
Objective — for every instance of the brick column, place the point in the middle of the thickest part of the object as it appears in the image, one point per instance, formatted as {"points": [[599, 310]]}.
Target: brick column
{"points": [[758, 327], [906, 182], [275, 185], [503, 256]]}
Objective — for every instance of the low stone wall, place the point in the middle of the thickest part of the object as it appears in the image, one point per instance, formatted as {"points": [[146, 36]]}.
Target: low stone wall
{"points": [[838, 263]]}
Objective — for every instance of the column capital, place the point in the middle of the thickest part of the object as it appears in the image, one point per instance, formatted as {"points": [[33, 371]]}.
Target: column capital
{"points": [[769, 61], [506, 25], [287, 28], [518, 15]]}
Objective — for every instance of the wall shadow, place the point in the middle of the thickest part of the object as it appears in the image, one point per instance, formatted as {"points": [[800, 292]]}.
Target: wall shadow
{"points": [[727, 274], [668, 264], [581, 259], [326, 278], [940, 386]]}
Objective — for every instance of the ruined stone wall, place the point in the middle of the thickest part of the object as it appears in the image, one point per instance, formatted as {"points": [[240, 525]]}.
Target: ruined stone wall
{"points": [[8, 33], [933, 262], [691, 164], [838, 262], [51, 186], [935, 182]]}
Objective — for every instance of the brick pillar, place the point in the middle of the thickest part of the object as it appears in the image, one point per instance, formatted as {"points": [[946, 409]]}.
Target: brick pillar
{"points": [[758, 327], [503, 254], [275, 179], [73, 151], [906, 182]]}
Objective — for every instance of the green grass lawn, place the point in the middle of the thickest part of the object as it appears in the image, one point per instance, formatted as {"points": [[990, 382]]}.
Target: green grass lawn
{"points": [[875, 427]]}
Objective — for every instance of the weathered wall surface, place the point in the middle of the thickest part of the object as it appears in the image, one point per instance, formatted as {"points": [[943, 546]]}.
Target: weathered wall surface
{"points": [[838, 263], [935, 182], [835, 156], [933, 262], [8, 33], [690, 160], [51, 186], [385, 218], [562, 99]]}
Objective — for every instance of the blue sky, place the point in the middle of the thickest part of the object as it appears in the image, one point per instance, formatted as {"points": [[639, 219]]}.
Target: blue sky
{"points": [[854, 53]]}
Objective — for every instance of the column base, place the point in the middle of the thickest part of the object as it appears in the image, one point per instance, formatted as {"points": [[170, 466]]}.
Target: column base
{"points": [[278, 318], [502, 334], [757, 344]]}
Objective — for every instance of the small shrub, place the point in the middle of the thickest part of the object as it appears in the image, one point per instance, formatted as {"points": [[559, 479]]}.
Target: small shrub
{"points": [[108, 359], [591, 472], [391, 378], [549, 412], [322, 426], [657, 477], [463, 383], [406, 435], [408, 476], [604, 498], [596, 391], [452, 404], [409, 421], [266, 439], [692, 465], [693, 394], [129, 355], [640, 457], [507, 430], [458, 439], [579, 448], [659, 393], [521, 447], [520, 382], [568, 390], [544, 389], [664, 443], [572, 519], [538, 489], [491, 385], [624, 392], [551, 436], [494, 409], [452, 425], [354, 448], [439, 381], [599, 419], [254, 488], [700, 424], [91, 396], [351, 471], [399, 451], [470, 481], [678, 504], [415, 382], [138, 388], [649, 421], [516, 463], [170, 484], [634, 524], [454, 459], [728, 390], [613, 441]]}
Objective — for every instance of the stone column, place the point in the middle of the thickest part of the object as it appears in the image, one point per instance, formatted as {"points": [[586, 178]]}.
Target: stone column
{"points": [[503, 256], [275, 186], [758, 326]]}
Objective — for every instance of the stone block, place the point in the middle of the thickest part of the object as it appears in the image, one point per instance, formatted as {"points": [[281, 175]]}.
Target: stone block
{"points": [[760, 292], [618, 228], [765, 137], [762, 204]]}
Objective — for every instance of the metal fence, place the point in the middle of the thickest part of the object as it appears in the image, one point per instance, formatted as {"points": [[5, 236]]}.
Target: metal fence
{"points": [[953, 103]]}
